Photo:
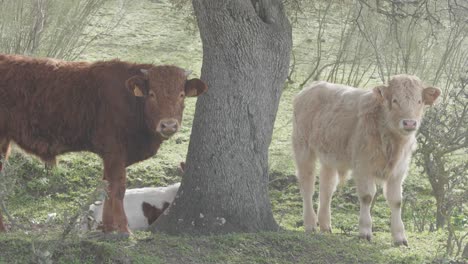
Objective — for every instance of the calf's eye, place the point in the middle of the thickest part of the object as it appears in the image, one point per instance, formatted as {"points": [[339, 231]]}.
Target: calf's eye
{"points": [[395, 101]]}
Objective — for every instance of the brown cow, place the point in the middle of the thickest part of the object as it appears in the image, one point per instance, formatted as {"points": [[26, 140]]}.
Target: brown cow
{"points": [[118, 110], [371, 133]]}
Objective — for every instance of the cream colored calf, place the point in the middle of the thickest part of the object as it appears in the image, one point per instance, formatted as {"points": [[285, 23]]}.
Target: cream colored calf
{"points": [[371, 133]]}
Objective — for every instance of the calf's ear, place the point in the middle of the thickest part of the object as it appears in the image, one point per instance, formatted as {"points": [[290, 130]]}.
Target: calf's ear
{"points": [[195, 87], [430, 95], [379, 93], [137, 85]]}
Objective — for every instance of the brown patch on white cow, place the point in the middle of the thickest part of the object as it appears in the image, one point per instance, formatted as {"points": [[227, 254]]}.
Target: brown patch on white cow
{"points": [[151, 212]]}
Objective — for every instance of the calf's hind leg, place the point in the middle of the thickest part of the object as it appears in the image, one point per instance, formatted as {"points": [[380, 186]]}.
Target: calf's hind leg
{"points": [[305, 165], [328, 183]]}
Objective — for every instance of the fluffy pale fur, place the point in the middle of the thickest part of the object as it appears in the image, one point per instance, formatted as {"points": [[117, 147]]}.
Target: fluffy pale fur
{"points": [[371, 133]]}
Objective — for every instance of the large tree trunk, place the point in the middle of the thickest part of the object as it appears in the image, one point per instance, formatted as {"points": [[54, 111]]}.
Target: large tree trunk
{"points": [[246, 49]]}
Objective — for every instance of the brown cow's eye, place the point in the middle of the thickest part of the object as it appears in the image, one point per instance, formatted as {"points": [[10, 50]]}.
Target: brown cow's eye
{"points": [[182, 95], [151, 94]]}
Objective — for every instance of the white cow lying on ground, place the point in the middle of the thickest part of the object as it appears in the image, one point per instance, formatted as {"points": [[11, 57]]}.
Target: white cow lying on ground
{"points": [[142, 206], [371, 133]]}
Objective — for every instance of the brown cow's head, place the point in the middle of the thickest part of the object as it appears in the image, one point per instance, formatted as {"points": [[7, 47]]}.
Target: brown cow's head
{"points": [[164, 89], [403, 102]]}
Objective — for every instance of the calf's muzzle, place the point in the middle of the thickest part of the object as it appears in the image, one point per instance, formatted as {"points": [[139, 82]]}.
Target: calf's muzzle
{"points": [[409, 124]]}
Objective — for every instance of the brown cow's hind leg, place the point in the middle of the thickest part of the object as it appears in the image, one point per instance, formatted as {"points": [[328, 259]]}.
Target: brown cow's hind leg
{"points": [[4, 150], [4, 153]]}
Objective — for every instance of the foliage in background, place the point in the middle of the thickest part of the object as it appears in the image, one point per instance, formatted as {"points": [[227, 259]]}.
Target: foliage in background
{"points": [[52, 28], [443, 148]]}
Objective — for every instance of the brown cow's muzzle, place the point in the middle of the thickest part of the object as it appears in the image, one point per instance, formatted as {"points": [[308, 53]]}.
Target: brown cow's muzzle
{"points": [[167, 127]]}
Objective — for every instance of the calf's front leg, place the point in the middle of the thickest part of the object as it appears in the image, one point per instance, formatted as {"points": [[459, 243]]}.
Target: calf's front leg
{"points": [[306, 178], [366, 191], [328, 183], [393, 195], [114, 218]]}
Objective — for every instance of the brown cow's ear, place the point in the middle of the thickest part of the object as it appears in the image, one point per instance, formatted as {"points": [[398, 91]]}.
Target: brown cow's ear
{"points": [[195, 87], [379, 93], [430, 95], [137, 85]]}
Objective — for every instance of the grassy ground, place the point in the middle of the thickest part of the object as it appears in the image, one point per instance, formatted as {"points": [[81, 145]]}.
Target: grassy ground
{"points": [[153, 31], [278, 247]]}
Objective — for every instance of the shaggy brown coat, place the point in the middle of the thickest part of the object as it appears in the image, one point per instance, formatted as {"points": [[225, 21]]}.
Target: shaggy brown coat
{"points": [[120, 111]]}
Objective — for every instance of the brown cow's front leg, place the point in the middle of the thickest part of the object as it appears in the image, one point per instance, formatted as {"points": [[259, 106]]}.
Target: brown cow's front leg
{"points": [[113, 217]]}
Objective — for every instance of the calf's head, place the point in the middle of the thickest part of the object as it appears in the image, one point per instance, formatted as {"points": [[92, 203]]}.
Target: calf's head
{"points": [[403, 102], [163, 89]]}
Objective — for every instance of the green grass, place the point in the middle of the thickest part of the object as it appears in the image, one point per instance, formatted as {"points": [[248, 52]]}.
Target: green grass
{"points": [[153, 31], [277, 247]]}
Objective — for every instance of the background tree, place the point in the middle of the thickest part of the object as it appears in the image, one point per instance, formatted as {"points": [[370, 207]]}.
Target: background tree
{"points": [[443, 143], [442, 151], [246, 49]]}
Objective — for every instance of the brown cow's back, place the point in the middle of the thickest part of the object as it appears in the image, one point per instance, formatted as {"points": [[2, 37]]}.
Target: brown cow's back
{"points": [[49, 107]]}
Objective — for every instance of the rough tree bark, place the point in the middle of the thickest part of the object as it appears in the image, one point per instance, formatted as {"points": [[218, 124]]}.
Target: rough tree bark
{"points": [[435, 171], [246, 51]]}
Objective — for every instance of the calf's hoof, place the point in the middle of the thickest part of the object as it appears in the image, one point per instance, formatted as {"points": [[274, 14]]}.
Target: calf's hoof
{"points": [[310, 230], [367, 237], [403, 242]]}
